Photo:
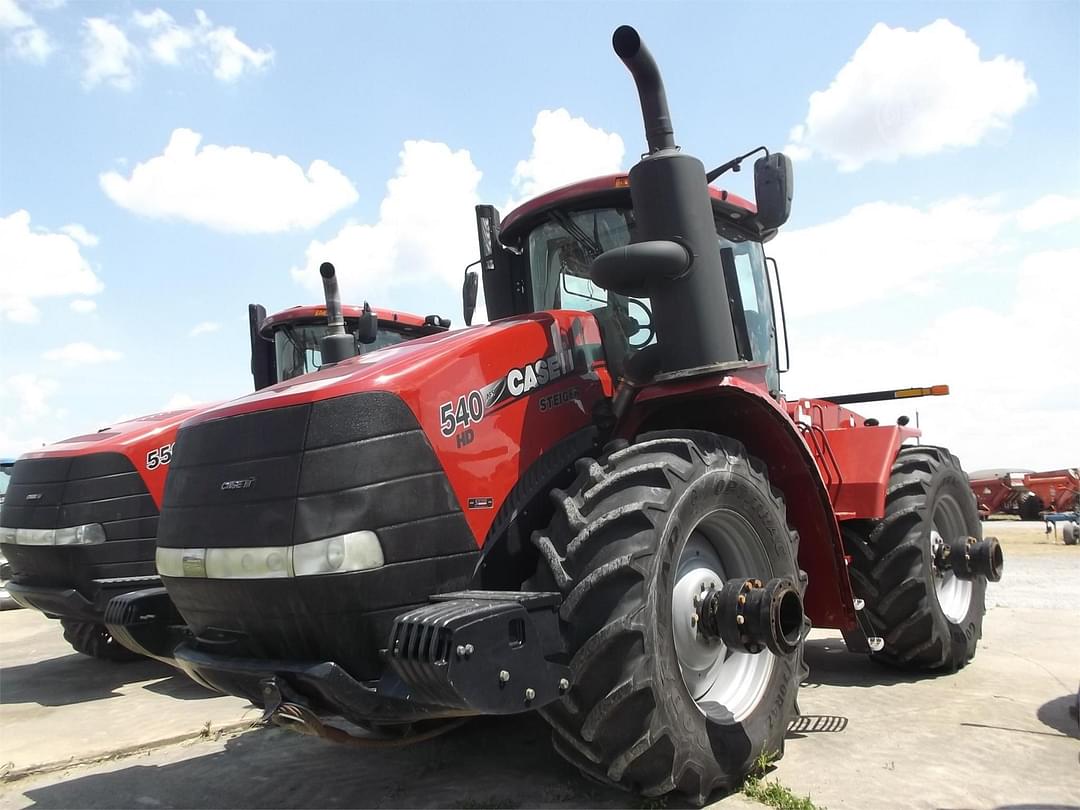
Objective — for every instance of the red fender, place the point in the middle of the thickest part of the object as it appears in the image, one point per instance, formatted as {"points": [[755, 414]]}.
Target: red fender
{"points": [[740, 408]]}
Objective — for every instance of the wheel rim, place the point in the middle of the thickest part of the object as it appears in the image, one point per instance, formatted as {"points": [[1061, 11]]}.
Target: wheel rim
{"points": [[717, 549], [953, 594]]}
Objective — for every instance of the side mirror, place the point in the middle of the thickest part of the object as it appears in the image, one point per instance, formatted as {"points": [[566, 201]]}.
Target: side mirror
{"points": [[468, 294], [368, 327], [773, 186], [487, 230]]}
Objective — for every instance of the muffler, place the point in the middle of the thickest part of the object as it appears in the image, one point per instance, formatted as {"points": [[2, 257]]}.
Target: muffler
{"points": [[750, 616]]}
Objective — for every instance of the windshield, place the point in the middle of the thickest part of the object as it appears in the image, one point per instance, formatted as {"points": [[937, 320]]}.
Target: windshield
{"points": [[561, 251], [296, 347]]}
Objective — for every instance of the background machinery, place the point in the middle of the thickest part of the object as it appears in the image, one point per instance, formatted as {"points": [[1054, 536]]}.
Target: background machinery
{"points": [[598, 506]]}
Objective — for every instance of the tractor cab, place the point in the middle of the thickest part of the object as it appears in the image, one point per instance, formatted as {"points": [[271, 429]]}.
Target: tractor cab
{"points": [[540, 258], [289, 343]]}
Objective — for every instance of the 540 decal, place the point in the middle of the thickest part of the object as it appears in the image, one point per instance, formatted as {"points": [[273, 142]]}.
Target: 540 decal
{"points": [[453, 416]]}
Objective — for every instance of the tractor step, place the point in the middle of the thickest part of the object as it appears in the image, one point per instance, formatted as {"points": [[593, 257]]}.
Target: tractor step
{"points": [[485, 652]]}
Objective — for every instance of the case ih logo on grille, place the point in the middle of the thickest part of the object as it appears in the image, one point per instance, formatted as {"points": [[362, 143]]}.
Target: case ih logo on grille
{"points": [[34, 496], [240, 483]]}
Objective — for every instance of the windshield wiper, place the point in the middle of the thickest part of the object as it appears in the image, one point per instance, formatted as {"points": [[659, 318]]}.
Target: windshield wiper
{"points": [[590, 246]]}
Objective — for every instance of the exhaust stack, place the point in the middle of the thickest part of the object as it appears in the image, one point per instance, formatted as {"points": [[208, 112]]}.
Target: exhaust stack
{"points": [[675, 257], [337, 344]]}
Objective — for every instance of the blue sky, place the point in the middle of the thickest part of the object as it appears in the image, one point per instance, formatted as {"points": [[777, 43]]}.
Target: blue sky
{"points": [[937, 133]]}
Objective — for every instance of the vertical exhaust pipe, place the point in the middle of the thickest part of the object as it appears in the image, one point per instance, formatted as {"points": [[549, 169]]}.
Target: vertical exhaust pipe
{"points": [[659, 132], [674, 259], [337, 344]]}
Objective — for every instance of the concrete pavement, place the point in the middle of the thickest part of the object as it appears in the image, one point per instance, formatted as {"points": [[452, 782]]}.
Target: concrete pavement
{"points": [[996, 735]]}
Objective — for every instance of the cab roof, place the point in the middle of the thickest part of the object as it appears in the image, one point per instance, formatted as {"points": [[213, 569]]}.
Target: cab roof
{"points": [[388, 318], [596, 189]]}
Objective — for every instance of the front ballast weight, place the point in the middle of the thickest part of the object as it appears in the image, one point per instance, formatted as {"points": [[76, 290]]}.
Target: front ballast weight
{"points": [[968, 558], [481, 652], [750, 616]]}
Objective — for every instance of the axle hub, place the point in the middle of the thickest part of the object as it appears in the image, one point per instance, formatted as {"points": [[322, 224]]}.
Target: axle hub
{"points": [[969, 558], [749, 616]]}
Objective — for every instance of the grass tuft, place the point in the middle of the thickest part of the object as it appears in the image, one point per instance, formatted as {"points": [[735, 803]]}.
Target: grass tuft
{"points": [[773, 793]]}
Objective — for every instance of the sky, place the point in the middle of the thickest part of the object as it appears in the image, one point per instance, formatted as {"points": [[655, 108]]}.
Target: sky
{"points": [[162, 165]]}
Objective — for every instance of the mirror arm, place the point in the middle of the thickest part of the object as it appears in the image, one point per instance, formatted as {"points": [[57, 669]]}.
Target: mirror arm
{"points": [[735, 164]]}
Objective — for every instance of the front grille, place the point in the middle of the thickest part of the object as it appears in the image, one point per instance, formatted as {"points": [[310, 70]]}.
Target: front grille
{"points": [[291, 475], [302, 473], [105, 488]]}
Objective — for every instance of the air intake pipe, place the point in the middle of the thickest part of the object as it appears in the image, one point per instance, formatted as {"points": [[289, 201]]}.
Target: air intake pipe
{"points": [[674, 259], [337, 344]]}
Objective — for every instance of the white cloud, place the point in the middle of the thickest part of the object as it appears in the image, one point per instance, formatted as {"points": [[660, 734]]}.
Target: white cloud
{"points": [[414, 241], [231, 57], [1001, 412], [83, 305], [565, 150], [80, 234], [1048, 212], [219, 47], [39, 264], [879, 250], [26, 417], [912, 93], [28, 40], [230, 188], [108, 55], [13, 16], [204, 328], [179, 401], [82, 353]]}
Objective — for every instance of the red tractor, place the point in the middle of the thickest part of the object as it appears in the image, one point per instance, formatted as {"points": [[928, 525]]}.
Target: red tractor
{"points": [[598, 506], [79, 519]]}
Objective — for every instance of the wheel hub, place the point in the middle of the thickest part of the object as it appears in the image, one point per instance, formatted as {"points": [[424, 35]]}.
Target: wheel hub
{"points": [[713, 673], [953, 593]]}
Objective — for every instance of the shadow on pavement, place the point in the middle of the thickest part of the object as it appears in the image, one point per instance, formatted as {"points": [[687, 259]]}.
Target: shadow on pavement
{"points": [[1060, 714], [490, 762], [77, 678], [832, 664]]}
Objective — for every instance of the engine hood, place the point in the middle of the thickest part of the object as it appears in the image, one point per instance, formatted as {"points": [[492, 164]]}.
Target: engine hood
{"points": [[121, 436], [391, 369]]}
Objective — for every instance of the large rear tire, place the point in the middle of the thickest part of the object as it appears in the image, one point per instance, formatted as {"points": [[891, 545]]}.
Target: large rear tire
{"points": [[1031, 507], [929, 619], [95, 640], [652, 706]]}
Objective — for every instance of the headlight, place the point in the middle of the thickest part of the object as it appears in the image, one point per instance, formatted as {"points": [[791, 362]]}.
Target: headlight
{"points": [[89, 534], [343, 553]]}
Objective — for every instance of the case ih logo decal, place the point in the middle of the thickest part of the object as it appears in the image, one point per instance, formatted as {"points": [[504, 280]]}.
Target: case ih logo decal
{"points": [[240, 483], [461, 413]]}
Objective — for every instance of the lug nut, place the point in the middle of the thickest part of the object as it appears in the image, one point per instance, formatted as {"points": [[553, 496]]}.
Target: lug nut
{"points": [[563, 684], [742, 599], [693, 619], [460, 650], [740, 619], [504, 676], [530, 694], [704, 587], [468, 650]]}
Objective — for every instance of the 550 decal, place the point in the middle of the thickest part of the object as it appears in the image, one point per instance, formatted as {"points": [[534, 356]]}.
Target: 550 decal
{"points": [[158, 456], [453, 416]]}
